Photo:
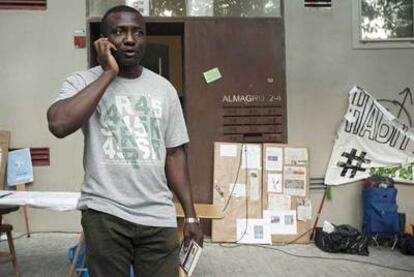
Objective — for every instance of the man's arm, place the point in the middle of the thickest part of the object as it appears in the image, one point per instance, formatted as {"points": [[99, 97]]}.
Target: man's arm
{"points": [[68, 115], [179, 181]]}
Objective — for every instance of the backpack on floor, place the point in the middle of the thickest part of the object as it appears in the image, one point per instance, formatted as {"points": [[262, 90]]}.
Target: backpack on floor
{"points": [[380, 211]]}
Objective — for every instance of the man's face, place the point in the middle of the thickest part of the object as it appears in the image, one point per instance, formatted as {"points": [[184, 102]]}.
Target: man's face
{"points": [[126, 30]]}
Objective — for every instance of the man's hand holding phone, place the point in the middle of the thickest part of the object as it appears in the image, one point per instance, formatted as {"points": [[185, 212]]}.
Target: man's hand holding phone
{"points": [[105, 58]]}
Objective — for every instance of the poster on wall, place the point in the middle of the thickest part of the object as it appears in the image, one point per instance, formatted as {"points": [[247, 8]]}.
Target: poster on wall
{"points": [[274, 158], [253, 231], [19, 167], [295, 180], [304, 209], [296, 156], [279, 202], [251, 157], [281, 222], [370, 140], [274, 182]]}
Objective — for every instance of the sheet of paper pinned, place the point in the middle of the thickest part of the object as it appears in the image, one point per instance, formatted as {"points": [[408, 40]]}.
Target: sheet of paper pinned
{"points": [[304, 210], [254, 185], [274, 158], [253, 231], [296, 156], [281, 222], [228, 150], [279, 202], [251, 157], [295, 180], [274, 182], [212, 75], [237, 190]]}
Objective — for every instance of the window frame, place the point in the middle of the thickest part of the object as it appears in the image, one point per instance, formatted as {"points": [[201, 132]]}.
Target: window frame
{"points": [[359, 43]]}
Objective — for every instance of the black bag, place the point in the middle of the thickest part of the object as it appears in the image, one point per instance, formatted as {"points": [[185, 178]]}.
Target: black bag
{"points": [[344, 239], [406, 244]]}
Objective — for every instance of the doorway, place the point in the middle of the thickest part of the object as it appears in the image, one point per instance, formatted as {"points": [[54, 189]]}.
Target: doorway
{"points": [[247, 104]]}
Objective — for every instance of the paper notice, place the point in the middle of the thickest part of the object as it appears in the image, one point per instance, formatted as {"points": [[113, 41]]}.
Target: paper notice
{"points": [[254, 186], [228, 150], [274, 182], [254, 231], [296, 156], [212, 75], [274, 158], [295, 180], [279, 202], [251, 157], [238, 191], [304, 210], [281, 222]]}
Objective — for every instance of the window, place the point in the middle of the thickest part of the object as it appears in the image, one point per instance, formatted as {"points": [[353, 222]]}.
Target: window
{"points": [[383, 23], [22, 4]]}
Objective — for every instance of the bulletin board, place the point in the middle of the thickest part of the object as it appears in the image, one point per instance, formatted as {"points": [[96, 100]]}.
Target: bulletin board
{"points": [[4, 149], [291, 166], [237, 187], [274, 189]]}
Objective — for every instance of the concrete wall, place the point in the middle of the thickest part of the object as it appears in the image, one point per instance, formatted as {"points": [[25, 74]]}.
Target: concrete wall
{"points": [[37, 53], [322, 67]]}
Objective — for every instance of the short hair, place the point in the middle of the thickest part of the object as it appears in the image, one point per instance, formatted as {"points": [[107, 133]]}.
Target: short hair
{"points": [[116, 9]]}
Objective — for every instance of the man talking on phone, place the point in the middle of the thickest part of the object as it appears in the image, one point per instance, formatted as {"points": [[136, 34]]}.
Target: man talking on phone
{"points": [[134, 155]]}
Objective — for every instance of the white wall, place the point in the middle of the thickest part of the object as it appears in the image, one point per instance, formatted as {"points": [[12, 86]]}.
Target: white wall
{"points": [[37, 52], [322, 67]]}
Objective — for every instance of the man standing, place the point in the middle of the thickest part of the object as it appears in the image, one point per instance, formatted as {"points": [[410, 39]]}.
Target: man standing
{"points": [[134, 135]]}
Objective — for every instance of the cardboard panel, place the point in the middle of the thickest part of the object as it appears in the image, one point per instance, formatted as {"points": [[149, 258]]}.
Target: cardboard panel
{"points": [[302, 226], [4, 149], [242, 182]]}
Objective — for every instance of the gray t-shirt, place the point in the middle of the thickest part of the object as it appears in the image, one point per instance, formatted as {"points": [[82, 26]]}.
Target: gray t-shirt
{"points": [[125, 146]]}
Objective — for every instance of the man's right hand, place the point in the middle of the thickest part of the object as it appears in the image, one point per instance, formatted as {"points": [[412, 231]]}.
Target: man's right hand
{"points": [[68, 115], [104, 56]]}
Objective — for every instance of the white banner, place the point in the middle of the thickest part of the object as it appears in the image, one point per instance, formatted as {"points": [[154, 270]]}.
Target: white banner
{"points": [[370, 140]]}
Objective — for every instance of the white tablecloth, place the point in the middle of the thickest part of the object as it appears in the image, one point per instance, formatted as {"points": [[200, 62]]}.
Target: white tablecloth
{"points": [[59, 201]]}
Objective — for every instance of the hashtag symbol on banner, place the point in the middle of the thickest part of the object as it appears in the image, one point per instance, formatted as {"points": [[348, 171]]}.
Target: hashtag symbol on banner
{"points": [[353, 162]]}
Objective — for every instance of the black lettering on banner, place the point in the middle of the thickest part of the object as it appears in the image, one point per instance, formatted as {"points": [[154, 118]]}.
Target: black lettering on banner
{"points": [[370, 123], [361, 103], [349, 164]]}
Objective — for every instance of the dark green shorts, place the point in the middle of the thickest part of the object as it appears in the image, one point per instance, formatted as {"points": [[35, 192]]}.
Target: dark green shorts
{"points": [[113, 244]]}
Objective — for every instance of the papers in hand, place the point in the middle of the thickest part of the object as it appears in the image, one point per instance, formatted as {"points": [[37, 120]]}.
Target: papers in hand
{"points": [[189, 256]]}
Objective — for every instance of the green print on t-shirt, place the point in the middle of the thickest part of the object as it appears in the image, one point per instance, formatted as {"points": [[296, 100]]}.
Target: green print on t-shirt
{"points": [[132, 130]]}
